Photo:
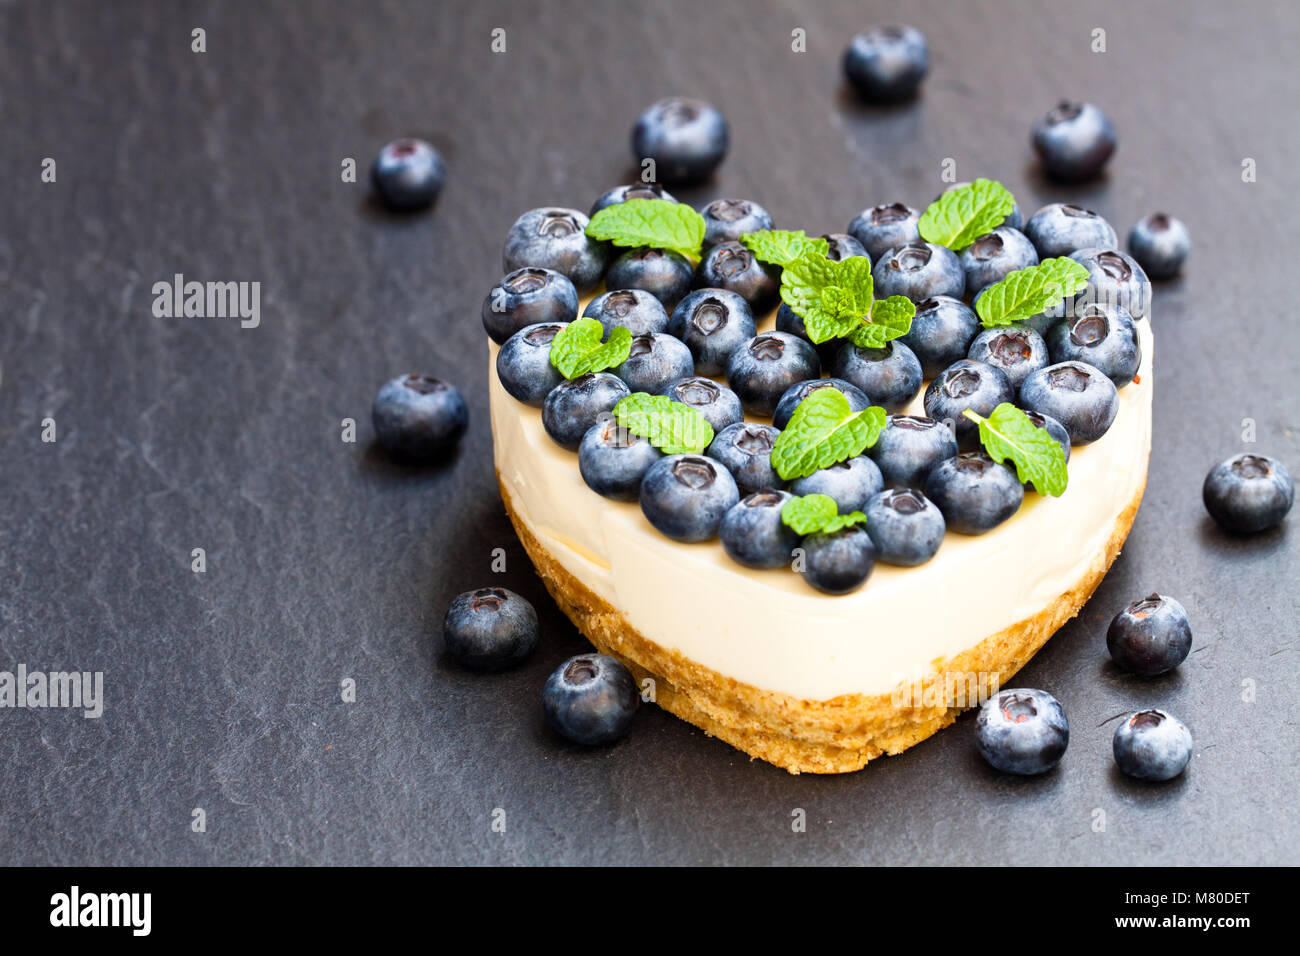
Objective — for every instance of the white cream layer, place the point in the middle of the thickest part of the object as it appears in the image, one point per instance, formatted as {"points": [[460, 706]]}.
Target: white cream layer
{"points": [[769, 628]]}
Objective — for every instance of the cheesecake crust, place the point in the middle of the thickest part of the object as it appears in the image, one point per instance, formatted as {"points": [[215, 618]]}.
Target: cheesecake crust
{"points": [[839, 735]]}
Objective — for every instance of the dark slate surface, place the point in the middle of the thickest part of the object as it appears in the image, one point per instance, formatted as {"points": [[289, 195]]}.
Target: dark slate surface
{"points": [[325, 561]]}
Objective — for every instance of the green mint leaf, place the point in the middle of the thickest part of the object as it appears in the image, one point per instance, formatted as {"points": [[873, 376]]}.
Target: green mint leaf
{"points": [[1026, 292], [780, 247], [1039, 460], [577, 348], [890, 319], [672, 427], [658, 223], [832, 298], [810, 514], [823, 431], [960, 216]]}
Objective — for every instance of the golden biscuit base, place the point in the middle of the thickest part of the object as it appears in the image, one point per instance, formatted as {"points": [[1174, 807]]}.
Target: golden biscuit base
{"points": [[839, 735]]}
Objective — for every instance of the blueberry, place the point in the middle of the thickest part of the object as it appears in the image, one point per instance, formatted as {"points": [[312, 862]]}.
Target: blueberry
{"points": [[1022, 731], [1248, 493], [1074, 141], [553, 238], [1061, 229], [1053, 428], [490, 629], [590, 699], [666, 275], [719, 405], [798, 392], [1160, 243], [1015, 350], [920, 270], [841, 246], [1152, 745], [909, 447], [574, 406], [967, 384], [713, 323], [1014, 219], [974, 492], [726, 220], [654, 362], [526, 297], [1074, 393], [524, 363], [762, 369], [1113, 279], [633, 309], [612, 461], [1150, 636], [686, 496], [905, 526], [882, 228], [851, 483], [418, 418], [839, 562], [408, 174], [942, 331], [1103, 336], [753, 533], [886, 64], [730, 266], [994, 256], [889, 377], [745, 450], [686, 138], [787, 320], [621, 194]]}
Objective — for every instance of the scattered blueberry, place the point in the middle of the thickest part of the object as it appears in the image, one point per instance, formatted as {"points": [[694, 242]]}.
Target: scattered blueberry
{"points": [[1075, 394], [841, 246], [654, 362], [1103, 336], [719, 405], [942, 331], [745, 450], [921, 270], [1248, 493], [1061, 229], [889, 377], [1152, 745], [1022, 731], [753, 533], [633, 309], [1160, 243], [974, 492], [556, 239], [590, 699], [909, 447], [713, 323], [851, 483], [633, 191], [1074, 141], [526, 297], [905, 526], [887, 64], [994, 256], [967, 384], [1113, 279], [687, 496], [666, 275], [686, 138], [408, 174], [490, 629], [1015, 350], [524, 363], [418, 418], [798, 392], [1150, 636], [839, 562], [730, 266], [882, 228], [612, 461], [762, 369], [726, 220], [572, 407]]}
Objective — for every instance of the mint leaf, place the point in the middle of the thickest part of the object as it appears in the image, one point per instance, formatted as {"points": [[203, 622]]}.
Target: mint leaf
{"points": [[811, 514], [832, 298], [962, 215], [658, 223], [672, 427], [823, 431], [780, 247], [577, 348], [1039, 460], [1026, 292], [890, 319]]}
